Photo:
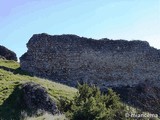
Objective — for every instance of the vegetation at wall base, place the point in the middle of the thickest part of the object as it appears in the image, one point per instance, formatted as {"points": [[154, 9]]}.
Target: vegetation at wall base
{"points": [[91, 104]]}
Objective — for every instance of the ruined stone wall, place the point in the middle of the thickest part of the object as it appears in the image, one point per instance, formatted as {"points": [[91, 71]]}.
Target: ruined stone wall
{"points": [[70, 58]]}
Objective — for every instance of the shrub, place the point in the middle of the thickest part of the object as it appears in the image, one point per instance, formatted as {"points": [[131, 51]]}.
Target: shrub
{"points": [[91, 104]]}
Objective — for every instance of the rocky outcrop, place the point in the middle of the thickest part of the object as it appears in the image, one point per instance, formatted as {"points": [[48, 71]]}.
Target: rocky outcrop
{"points": [[27, 100], [70, 59], [35, 97], [7, 54]]}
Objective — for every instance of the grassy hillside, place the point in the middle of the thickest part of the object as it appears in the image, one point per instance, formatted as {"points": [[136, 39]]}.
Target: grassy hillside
{"points": [[11, 76]]}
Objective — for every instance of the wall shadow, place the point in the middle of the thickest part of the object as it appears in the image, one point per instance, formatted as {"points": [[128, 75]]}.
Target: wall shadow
{"points": [[12, 107], [145, 97]]}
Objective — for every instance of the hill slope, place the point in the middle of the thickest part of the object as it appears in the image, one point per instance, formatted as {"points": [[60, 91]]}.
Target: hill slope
{"points": [[11, 76]]}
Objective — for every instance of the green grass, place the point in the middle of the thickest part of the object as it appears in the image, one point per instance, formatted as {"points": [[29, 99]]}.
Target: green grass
{"points": [[9, 64], [11, 77]]}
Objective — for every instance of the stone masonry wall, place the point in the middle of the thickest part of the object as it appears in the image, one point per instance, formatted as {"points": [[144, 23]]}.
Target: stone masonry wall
{"points": [[70, 58]]}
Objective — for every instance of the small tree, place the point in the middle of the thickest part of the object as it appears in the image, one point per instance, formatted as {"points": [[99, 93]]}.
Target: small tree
{"points": [[91, 104]]}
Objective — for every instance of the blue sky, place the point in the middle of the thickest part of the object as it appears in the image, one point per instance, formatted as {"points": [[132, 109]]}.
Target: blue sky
{"points": [[113, 19]]}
